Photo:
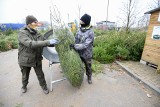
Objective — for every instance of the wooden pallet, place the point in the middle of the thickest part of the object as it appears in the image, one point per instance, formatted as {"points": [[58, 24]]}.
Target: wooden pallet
{"points": [[152, 65], [158, 68]]}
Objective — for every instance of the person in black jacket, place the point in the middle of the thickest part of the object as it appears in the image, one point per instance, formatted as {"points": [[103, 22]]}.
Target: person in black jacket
{"points": [[84, 44]]}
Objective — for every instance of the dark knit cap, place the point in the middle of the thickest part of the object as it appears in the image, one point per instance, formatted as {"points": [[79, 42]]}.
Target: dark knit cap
{"points": [[30, 19], [86, 19]]}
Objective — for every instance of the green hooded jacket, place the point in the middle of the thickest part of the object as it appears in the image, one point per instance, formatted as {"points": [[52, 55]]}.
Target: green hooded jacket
{"points": [[30, 47]]}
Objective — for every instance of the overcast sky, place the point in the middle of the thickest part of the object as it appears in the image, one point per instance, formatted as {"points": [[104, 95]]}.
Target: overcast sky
{"points": [[13, 11]]}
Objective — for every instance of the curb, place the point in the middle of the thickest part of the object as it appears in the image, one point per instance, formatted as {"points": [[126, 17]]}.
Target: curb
{"points": [[138, 78]]}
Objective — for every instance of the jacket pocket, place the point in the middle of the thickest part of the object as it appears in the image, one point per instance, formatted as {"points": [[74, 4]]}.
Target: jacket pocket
{"points": [[30, 50], [27, 60], [24, 59], [30, 60]]}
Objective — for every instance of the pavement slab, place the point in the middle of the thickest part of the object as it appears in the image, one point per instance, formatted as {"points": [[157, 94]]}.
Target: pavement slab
{"points": [[142, 72]]}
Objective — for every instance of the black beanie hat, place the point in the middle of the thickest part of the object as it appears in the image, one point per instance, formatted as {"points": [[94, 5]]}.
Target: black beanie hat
{"points": [[86, 19], [30, 19]]}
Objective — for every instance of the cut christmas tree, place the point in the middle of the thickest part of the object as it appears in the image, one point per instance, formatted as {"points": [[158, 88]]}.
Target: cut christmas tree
{"points": [[70, 61]]}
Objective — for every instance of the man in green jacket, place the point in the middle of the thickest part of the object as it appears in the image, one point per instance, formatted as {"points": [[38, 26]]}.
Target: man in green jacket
{"points": [[30, 50]]}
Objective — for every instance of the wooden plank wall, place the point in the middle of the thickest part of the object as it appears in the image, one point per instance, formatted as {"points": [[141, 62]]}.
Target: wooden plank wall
{"points": [[151, 51]]}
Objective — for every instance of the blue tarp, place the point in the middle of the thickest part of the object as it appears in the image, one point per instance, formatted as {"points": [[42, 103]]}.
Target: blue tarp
{"points": [[13, 26]]}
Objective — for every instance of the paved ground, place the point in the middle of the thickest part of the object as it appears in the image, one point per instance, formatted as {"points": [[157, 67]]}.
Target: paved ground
{"points": [[112, 88], [143, 73]]}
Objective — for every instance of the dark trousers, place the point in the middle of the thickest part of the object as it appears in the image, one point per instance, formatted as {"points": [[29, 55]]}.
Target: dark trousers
{"points": [[39, 72], [88, 65]]}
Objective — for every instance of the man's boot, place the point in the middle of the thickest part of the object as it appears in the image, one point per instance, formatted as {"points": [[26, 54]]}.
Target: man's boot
{"points": [[89, 80], [24, 89], [45, 89]]}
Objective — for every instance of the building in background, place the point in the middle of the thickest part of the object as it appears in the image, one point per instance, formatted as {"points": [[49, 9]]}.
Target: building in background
{"points": [[44, 25], [12, 26], [106, 25]]}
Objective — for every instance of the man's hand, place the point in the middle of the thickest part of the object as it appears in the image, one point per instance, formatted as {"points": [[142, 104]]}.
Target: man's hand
{"points": [[53, 41], [76, 46], [71, 46]]}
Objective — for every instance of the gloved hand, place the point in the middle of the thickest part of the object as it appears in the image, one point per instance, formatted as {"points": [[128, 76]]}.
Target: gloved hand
{"points": [[71, 46], [53, 41], [78, 46]]}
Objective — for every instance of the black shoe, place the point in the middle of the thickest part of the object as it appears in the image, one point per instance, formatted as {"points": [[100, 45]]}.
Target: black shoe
{"points": [[24, 89], [45, 89], [89, 80]]}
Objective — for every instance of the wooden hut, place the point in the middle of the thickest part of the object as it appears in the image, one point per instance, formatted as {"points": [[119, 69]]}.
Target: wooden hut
{"points": [[151, 51]]}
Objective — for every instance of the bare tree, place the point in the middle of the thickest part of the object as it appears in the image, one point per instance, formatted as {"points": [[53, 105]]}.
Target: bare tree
{"points": [[143, 22], [130, 14], [79, 11]]}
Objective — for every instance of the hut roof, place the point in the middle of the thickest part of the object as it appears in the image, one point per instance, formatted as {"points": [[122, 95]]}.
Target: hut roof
{"points": [[153, 10]]}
